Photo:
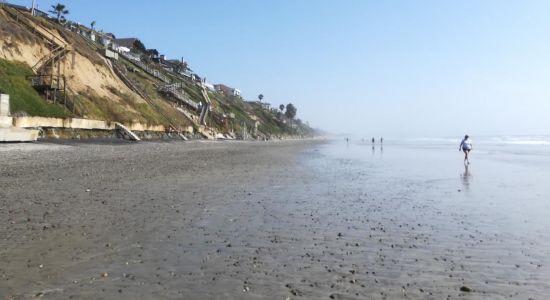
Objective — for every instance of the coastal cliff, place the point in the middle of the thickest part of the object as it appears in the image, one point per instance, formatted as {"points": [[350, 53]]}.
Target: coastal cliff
{"points": [[65, 70]]}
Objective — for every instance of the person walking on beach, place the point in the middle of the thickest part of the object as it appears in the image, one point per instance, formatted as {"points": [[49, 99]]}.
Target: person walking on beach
{"points": [[466, 146], [373, 140]]}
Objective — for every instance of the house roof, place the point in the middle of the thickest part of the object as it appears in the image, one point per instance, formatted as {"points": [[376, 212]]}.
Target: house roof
{"points": [[222, 86], [126, 42], [109, 35], [38, 12], [176, 62], [105, 36], [84, 28], [20, 7]]}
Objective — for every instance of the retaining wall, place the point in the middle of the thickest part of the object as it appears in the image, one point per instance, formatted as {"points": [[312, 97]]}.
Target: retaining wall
{"points": [[6, 122], [75, 123]]}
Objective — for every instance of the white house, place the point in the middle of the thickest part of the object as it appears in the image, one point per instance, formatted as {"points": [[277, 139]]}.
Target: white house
{"points": [[226, 90], [106, 39], [122, 49], [209, 86]]}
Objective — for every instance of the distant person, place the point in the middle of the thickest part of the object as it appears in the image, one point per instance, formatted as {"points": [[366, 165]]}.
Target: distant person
{"points": [[381, 140], [373, 140], [466, 146]]}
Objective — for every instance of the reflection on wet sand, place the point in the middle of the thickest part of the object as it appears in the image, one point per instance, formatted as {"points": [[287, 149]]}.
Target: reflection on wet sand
{"points": [[466, 177]]}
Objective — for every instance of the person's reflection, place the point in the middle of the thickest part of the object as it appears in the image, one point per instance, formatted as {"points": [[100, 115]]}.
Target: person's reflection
{"points": [[373, 151], [466, 177], [381, 149]]}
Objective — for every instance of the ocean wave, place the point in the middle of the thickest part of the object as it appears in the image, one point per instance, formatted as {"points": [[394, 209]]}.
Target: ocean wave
{"points": [[520, 140], [495, 140]]}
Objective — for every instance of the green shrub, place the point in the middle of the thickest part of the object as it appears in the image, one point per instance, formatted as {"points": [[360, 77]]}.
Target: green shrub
{"points": [[23, 97]]}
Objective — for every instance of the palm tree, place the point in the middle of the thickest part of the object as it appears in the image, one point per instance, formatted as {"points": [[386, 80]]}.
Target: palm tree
{"points": [[92, 25], [282, 107], [60, 11], [290, 111], [260, 96]]}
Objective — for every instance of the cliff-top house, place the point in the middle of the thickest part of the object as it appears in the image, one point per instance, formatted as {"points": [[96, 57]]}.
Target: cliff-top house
{"points": [[226, 90], [132, 44]]}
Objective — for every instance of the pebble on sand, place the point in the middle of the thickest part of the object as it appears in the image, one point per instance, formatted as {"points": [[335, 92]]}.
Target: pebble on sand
{"points": [[465, 289]]}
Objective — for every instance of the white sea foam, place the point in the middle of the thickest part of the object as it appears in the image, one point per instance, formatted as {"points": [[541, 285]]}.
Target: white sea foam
{"points": [[520, 140], [495, 140]]}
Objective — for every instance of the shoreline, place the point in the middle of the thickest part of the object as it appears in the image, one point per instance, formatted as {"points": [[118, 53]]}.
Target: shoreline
{"points": [[44, 142]]}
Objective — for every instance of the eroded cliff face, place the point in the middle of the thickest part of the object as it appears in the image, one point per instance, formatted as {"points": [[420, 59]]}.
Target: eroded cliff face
{"points": [[18, 44], [89, 76], [100, 93]]}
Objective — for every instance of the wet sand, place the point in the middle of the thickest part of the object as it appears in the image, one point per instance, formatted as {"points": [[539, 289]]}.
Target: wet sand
{"points": [[277, 220]]}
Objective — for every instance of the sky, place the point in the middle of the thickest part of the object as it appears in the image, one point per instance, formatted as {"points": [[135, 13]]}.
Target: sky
{"points": [[360, 67]]}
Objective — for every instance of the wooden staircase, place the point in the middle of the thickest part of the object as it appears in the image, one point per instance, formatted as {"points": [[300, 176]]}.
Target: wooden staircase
{"points": [[175, 90], [122, 74], [50, 72], [206, 107]]}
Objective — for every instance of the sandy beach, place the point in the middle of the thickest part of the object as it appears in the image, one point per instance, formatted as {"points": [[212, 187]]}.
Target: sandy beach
{"points": [[275, 220]]}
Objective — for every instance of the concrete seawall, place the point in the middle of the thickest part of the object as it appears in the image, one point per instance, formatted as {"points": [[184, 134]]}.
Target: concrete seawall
{"points": [[9, 133], [75, 123]]}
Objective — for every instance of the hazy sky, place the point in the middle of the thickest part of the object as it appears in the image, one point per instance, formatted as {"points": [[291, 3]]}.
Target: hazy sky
{"points": [[392, 68]]}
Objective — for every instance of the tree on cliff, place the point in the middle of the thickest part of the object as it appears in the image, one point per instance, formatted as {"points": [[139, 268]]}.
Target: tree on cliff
{"points": [[140, 46], [59, 11], [260, 96], [290, 111], [281, 107], [92, 25]]}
